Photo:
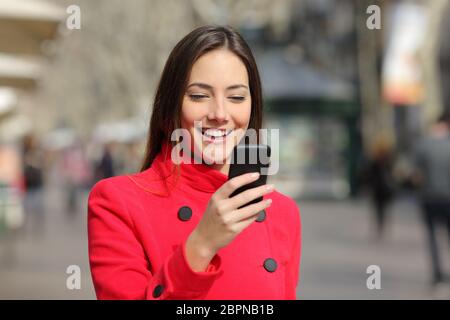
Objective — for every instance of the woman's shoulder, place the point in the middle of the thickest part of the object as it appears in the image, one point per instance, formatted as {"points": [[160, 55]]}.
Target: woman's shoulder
{"points": [[110, 185], [128, 184]]}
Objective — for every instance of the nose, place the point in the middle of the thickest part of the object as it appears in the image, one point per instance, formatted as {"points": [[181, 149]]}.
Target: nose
{"points": [[218, 111]]}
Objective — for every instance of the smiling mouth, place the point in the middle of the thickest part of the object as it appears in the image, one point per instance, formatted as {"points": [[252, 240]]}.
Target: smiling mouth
{"points": [[214, 135]]}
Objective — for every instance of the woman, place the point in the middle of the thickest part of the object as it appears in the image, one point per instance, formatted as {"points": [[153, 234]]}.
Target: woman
{"points": [[171, 231]]}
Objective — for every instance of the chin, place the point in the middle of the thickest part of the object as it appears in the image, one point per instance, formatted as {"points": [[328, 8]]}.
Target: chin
{"points": [[215, 154]]}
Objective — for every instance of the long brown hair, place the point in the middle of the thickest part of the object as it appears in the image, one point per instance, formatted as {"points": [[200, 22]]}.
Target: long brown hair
{"points": [[172, 85]]}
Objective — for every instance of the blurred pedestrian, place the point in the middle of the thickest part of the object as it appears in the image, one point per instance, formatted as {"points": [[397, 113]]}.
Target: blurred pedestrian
{"points": [[432, 176], [77, 173], [33, 181], [105, 168], [131, 158], [381, 181]]}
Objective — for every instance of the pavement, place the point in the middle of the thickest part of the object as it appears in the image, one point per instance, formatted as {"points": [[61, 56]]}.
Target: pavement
{"points": [[338, 247], [339, 244]]}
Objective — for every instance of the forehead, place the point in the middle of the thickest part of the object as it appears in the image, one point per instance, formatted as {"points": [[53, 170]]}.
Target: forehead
{"points": [[219, 67]]}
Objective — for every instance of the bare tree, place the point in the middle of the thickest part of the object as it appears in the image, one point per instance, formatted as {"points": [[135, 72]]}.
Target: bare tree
{"points": [[109, 68]]}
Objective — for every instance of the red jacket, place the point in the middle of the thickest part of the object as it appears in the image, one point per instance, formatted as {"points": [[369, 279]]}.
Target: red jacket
{"points": [[138, 224]]}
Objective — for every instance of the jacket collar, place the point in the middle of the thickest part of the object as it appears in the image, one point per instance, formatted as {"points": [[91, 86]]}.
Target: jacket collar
{"points": [[197, 176]]}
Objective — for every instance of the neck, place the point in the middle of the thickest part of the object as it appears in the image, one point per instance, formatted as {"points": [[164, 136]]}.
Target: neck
{"points": [[223, 168]]}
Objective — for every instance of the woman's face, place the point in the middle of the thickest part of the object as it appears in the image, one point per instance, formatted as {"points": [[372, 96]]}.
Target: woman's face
{"points": [[216, 105]]}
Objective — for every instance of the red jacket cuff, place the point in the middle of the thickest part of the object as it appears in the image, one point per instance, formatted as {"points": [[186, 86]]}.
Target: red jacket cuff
{"points": [[181, 282]]}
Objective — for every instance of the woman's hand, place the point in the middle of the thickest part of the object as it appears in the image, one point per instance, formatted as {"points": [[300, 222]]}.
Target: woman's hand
{"points": [[223, 221]]}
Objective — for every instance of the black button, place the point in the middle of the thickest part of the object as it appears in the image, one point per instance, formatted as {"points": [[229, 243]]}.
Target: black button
{"points": [[185, 213], [270, 265], [158, 291], [261, 216]]}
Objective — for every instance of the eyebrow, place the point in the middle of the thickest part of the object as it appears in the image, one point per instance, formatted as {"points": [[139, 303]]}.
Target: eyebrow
{"points": [[208, 87]]}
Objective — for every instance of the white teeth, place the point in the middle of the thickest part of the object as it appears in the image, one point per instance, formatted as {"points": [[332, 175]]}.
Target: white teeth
{"points": [[215, 133]]}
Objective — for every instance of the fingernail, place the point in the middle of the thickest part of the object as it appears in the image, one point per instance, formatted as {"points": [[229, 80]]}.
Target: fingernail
{"points": [[255, 175], [268, 201], [269, 187]]}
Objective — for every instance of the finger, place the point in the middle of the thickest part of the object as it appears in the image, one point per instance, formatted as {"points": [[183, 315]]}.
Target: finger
{"points": [[249, 211], [243, 224], [228, 187], [249, 195]]}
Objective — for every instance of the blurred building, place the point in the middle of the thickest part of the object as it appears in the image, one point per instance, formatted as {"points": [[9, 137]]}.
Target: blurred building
{"points": [[321, 69], [310, 86], [24, 28]]}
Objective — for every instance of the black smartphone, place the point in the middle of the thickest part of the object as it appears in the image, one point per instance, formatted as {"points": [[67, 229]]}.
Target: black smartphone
{"points": [[248, 158]]}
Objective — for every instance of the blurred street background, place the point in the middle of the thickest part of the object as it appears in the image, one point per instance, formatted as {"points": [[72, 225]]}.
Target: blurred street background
{"points": [[359, 90]]}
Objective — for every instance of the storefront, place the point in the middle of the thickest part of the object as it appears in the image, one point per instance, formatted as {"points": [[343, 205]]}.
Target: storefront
{"points": [[318, 119]]}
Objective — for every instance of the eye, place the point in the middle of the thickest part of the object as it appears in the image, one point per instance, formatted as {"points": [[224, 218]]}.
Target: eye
{"points": [[197, 97], [237, 98]]}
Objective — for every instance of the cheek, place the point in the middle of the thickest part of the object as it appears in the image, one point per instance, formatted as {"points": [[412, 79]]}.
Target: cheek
{"points": [[241, 115], [189, 114]]}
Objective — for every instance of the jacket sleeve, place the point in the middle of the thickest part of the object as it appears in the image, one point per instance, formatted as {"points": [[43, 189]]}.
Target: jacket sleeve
{"points": [[119, 266], [293, 267]]}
